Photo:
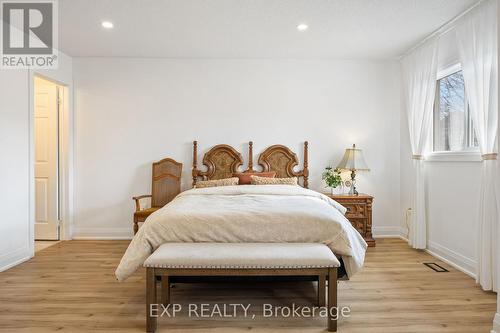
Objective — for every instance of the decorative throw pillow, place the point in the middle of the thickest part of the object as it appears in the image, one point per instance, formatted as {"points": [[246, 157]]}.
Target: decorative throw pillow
{"points": [[245, 177], [273, 181], [217, 182]]}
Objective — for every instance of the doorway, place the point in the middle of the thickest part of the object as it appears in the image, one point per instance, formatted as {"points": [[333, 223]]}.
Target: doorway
{"points": [[48, 103]]}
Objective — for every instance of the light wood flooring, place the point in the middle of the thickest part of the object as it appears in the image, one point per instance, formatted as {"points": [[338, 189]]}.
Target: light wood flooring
{"points": [[70, 287]]}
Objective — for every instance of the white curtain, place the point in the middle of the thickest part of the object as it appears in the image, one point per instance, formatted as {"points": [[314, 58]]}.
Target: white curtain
{"points": [[477, 40], [419, 69]]}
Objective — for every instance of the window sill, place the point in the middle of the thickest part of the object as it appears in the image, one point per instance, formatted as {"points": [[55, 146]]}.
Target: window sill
{"points": [[454, 156]]}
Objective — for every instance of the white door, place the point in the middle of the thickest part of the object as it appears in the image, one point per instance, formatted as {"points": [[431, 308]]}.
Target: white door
{"points": [[46, 160]]}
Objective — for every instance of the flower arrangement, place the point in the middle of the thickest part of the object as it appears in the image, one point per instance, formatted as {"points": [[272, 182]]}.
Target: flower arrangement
{"points": [[332, 177]]}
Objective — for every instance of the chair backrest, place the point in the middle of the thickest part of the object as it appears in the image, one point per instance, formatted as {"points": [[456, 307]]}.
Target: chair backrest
{"points": [[166, 181]]}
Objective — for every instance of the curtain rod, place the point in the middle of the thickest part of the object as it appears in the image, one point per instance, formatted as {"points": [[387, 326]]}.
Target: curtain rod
{"points": [[442, 29]]}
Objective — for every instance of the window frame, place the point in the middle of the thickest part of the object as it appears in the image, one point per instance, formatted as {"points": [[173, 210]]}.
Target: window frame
{"points": [[470, 153]]}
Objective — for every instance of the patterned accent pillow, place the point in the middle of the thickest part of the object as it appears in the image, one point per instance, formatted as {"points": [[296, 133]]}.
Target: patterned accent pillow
{"points": [[245, 177], [217, 182], [256, 180]]}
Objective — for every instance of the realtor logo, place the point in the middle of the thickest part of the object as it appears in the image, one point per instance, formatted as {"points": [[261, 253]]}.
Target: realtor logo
{"points": [[29, 34]]}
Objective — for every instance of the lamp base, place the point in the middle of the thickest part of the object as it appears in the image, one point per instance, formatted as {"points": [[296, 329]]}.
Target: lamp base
{"points": [[353, 190]]}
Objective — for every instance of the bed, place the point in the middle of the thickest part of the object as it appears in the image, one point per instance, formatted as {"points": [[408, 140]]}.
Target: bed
{"points": [[248, 213]]}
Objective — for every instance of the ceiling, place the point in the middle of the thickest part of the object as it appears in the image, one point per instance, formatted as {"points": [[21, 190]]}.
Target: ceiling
{"points": [[367, 29]]}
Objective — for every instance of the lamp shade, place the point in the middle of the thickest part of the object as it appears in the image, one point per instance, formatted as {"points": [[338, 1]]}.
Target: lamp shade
{"points": [[353, 160]]}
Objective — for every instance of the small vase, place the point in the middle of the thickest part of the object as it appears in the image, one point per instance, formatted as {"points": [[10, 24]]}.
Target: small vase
{"points": [[339, 190]]}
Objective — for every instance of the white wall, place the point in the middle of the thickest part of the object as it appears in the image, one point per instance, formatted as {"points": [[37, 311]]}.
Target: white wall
{"points": [[496, 320], [131, 112], [452, 205], [452, 190], [16, 169]]}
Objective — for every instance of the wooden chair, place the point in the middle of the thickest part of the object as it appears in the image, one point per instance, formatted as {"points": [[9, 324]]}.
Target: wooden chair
{"points": [[166, 184]]}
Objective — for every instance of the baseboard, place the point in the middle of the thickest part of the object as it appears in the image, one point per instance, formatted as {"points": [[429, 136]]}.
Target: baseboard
{"points": [[387, 232], [452, 258], [14, 258], [496, 324], [102, 233]]}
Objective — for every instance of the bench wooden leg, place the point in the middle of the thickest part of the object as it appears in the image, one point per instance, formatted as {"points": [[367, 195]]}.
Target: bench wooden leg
{"points": [[151, 320], [165, 290], [332, 300], [322, 290]]}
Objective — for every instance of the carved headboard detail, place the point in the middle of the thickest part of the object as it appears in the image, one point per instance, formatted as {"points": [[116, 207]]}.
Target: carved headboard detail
{"points": [[282, 160], [221, 162], [250, 158]]}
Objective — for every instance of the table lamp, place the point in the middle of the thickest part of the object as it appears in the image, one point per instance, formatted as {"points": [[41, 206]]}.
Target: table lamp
{"points": [[353, 161]]}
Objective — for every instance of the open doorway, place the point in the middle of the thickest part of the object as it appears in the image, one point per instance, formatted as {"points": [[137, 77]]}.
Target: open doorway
{"points": [[48, 106]]}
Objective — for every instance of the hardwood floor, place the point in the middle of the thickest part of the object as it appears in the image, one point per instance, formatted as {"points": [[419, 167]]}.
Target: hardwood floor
{"points": [[70, 287]]}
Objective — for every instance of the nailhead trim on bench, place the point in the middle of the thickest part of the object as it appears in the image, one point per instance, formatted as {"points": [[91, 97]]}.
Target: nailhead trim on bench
{"points": [[239, 266]]}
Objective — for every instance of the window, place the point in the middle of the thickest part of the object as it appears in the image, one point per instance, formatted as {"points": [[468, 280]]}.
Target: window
{"points": [[453, 128]]}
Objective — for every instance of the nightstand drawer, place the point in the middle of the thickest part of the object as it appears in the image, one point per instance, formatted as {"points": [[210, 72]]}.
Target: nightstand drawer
{"points": [[359, 213], [355, 211], [359, 225]]}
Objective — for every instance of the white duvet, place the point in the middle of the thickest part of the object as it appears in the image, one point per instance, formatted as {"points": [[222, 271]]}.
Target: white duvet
{"points": [[248, 214]]}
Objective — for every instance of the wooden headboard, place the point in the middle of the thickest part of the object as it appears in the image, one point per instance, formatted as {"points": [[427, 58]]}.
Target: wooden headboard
{"points": [[222, 161], [282, 160]]}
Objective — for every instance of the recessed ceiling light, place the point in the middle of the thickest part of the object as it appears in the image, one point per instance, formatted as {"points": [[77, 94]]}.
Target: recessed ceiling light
{"points": [[107, 24], [302, 27]]}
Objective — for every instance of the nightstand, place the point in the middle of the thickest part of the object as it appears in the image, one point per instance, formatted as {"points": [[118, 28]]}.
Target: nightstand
{"points": [[359, 213]]}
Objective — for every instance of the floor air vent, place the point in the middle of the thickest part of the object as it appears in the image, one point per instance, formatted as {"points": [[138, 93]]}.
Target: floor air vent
{"points": [[435, 267]]}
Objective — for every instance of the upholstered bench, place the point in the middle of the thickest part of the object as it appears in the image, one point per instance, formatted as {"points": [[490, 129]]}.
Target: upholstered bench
{"points": [[241, 259]]}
